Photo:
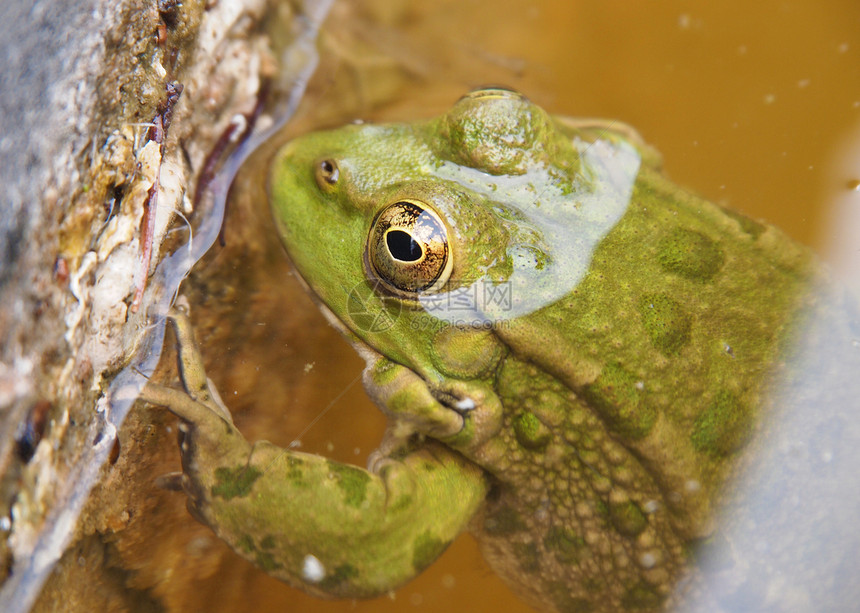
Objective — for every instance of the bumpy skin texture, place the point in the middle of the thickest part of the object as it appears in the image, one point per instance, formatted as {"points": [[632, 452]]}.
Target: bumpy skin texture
{"points": [[575, 385]]}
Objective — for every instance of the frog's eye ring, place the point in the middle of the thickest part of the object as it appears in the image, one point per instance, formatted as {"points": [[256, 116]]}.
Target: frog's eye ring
{"points": [[326, 173], [408, 249]]}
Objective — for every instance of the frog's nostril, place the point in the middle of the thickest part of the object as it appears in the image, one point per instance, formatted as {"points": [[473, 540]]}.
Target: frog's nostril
{"points": [[327, 173]]}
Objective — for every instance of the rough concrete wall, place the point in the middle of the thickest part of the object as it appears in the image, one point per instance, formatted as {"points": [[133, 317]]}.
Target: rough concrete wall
{"points": [[80, 86]]}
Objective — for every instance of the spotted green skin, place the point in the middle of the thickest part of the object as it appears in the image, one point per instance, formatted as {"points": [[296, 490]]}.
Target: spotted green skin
{"points": [[584, 440]]}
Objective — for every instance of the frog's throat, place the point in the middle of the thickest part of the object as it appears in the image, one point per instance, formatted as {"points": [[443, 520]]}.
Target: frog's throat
{"points": [[364, 350], [367, 353]]}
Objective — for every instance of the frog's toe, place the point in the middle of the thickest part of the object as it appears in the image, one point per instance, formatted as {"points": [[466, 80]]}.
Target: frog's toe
{"points": [[170, 481], [407, 398], [196, 510], [181, 482], [207, 419], [377, 462]]}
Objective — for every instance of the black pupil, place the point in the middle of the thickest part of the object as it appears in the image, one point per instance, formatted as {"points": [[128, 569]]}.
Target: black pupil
{"points": [[402, 247]]}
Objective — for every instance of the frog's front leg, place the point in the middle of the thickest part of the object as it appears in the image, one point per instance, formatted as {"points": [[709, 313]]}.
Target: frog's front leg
{"points": [[329, 528]]}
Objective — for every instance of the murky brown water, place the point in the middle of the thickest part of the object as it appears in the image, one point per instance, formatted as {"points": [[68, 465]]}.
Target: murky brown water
{"points": [[750, 104]]}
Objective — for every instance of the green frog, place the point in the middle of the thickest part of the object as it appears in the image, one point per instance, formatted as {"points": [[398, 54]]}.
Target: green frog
{"points": [[571, 351]]}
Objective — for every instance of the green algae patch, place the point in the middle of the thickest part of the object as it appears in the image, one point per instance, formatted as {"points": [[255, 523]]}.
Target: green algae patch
{"points": [[267, 562], [690, 254], [641, 596], [401, 504], [530, 432], [426, 549], [627, 518], [234, 482], [246, 543], [264, 559], [384, 372], [564, 544], [723, 427], [352, 481], [296, 471], [614, 394], [666, 322], [342, 574]]}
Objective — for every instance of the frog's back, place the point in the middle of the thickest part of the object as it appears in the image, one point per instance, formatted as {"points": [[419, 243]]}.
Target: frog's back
{"points": [[629, 401]]}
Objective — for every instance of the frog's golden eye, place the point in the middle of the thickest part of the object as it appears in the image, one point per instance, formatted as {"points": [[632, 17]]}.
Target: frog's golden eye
{"points": [[326, 173], [408, 248]]}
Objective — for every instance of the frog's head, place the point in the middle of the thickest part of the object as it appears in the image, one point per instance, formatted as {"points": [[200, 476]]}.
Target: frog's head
{"points": [[420, 237]]}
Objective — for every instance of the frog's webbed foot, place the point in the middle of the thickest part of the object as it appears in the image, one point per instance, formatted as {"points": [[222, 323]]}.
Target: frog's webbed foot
{"points": [[406, 398], [463, 413]]}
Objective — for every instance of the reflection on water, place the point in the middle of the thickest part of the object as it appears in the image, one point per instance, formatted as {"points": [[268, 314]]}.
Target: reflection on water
{"points": [[742, 100], [790, 536]]}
